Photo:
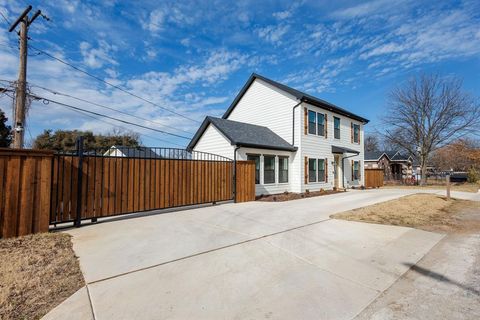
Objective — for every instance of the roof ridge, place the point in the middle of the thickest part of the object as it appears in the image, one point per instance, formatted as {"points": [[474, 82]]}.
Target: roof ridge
{"points": [[300, 95]]}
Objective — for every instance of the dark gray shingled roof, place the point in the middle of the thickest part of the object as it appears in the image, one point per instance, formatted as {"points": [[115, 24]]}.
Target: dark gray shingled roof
{"points": [[373, 155], [137, 152], [297, 94], [243, 135], [392, 155]]}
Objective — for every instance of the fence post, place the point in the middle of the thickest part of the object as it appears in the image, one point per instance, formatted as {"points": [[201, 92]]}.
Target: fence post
{"points": [[78, 218], [448, 186]]}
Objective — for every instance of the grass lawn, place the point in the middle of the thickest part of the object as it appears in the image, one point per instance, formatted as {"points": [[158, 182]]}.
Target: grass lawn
{"points": [[37, 272], [423, 211], [466, 187]]}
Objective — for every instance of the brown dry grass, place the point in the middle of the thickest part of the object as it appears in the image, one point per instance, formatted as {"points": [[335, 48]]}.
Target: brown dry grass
{"points": [[423, 211], [465, 187], [37, 272]]}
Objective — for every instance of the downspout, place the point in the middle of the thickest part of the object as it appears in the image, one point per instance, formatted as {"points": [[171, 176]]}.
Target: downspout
{"points": [[343, 169], [235, 173], [293, 121]]}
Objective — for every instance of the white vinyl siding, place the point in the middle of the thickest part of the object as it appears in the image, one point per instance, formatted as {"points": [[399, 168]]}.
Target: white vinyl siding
{"points": [[319, 147], [277, 186], [213, 141], [265, 105]]}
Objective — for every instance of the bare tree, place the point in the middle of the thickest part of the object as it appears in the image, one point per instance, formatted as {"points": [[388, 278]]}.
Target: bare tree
{"points": [[371, 142], [427, 113]]}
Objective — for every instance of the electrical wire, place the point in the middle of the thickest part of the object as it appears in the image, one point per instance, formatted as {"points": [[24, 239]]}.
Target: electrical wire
{"points": [[5, 18], [35, 97], [127, 129], [111, 84], [110, 108]]}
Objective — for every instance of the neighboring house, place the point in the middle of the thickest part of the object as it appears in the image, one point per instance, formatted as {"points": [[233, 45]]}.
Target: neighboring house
{"points": [[131, 152], [297, 141], [395, 165]]}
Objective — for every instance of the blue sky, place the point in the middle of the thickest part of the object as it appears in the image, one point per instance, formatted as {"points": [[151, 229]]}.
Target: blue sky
{"points": [[194, 56]]}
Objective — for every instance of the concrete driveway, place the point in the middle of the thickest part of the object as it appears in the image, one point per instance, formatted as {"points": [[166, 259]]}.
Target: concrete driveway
{"points": [[250, 260]]}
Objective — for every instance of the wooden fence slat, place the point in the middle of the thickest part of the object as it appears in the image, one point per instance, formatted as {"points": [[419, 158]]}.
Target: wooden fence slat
{"points": [[25, 185], [27, 190], [373, 178]]}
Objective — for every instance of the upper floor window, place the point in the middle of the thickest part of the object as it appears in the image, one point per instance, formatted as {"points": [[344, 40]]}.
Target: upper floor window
{"points": [[356, 133], [282, 169], [268, 169], [336, 126], [316, 123], [320, 124], [255, 158], [312, 115]]}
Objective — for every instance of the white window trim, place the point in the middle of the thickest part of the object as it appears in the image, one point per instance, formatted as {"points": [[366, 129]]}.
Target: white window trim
{"points": [[278, 171], [339, 128], [316, 123]]}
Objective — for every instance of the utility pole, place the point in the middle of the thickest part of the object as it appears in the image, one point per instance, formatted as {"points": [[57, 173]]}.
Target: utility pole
{"points": [[21, 92]]}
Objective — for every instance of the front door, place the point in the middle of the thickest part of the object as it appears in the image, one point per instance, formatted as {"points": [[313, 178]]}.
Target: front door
{"points": [[337, 171]]}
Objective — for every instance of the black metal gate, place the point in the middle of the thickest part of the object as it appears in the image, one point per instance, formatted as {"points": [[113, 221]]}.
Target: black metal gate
{"points": [[90, 184]]}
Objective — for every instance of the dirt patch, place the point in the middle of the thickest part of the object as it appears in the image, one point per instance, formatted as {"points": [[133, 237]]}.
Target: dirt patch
{"points": [[424, 211], [465, 187], [37, 272], [287, 196]]}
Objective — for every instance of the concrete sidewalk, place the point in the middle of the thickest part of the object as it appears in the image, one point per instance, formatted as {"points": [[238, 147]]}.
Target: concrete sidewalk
{"points": [[249, 260]]}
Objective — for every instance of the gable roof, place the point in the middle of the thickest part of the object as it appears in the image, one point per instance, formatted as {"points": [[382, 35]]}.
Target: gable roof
{"points": [[135, 152], [302, 96], [374, 155], [243, 135], [391, 155]]}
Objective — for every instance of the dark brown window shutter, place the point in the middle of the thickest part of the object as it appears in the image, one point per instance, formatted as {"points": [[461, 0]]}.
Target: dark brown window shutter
{"points": [[326, 125], [326, 169], [305, 124], [352, 169], [351, 132], [306, 170]]}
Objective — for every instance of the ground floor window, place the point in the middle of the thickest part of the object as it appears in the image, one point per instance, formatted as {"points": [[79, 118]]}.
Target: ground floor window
{"points": [[282, 169], [321, 169], [312, 170], [255, 158], [268, 169], [356, 170]]}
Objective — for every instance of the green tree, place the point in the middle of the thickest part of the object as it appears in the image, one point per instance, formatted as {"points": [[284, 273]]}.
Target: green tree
{"points": [[5, 131], [65, 140]]}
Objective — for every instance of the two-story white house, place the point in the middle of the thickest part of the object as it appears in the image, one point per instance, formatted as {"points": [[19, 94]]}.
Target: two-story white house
{"points": [[298, 142]]}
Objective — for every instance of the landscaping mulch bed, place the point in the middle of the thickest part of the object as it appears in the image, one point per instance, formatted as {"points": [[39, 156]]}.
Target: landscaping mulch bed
{"points": [[287, 196], [423, 211], [37, 273]]}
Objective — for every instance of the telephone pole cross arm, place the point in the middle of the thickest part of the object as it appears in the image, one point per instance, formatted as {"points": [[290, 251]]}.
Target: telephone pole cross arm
{"points": [[21, 92]]}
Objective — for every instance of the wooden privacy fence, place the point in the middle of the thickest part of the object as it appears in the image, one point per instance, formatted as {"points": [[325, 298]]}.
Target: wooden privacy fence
{"points": [[245, 183], [108, 186], [38, 188], [373, 178], [25, 177]]}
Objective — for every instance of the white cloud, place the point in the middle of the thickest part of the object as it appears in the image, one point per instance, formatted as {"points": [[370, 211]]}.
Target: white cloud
{"points": [[273, 33], [155, 21], [367, 8], [97, 57]]}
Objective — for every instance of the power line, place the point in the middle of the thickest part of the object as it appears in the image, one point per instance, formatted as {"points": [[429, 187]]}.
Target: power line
{"points": [[110, 108], [111, 84], [5, 18], [105, 116], [128, 129]]}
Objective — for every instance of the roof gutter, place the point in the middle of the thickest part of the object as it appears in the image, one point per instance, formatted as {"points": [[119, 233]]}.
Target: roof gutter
{"points": [[293, 121]]}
